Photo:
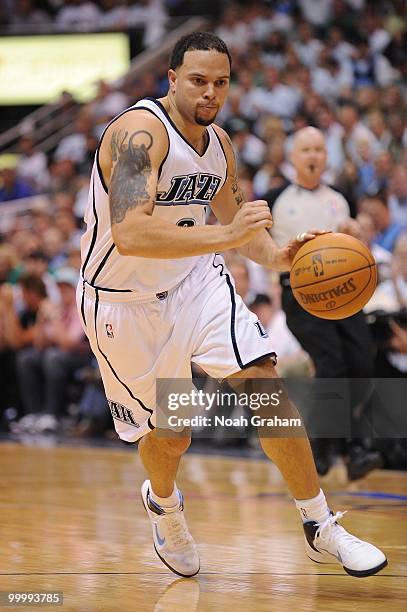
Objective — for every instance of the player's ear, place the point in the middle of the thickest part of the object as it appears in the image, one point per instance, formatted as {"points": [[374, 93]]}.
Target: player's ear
{"points": [[172, 78]]}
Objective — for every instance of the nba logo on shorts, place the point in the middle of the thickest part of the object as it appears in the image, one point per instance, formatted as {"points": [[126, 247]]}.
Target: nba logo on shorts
{"points": [[109, 330], [262, 331]]}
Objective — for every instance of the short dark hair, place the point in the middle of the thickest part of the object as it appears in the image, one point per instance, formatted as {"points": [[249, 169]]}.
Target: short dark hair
{"points": [[261, 298], [197, 41], [33, 282], [379, 195]]}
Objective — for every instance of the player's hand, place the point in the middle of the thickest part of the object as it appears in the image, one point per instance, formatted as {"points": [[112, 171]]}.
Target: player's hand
{"points": [[287, 253], [250, 219]]}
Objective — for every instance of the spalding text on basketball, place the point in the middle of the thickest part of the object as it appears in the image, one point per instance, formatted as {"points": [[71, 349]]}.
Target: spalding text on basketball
{"points": [[323, 296]]}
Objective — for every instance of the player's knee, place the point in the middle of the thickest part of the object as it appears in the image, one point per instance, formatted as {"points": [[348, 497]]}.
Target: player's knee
{"points": [[173, 445], [180, 445]]}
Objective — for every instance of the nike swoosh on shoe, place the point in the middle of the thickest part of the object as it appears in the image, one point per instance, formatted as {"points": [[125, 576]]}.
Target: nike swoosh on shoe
{"points": [[161, 541]]}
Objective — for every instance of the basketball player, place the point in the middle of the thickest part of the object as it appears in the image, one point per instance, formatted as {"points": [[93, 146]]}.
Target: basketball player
{"points": [[156, 296]]}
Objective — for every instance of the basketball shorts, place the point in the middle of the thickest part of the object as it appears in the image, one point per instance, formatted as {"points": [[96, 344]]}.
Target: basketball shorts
{"points": [[137, 339]]}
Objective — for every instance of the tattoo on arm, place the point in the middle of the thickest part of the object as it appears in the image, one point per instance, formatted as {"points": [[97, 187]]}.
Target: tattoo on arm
{"points": [[131, 173], [237, 192]]}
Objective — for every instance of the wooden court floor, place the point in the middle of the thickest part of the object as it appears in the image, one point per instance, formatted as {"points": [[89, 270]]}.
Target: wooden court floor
{"points": [[71, 520]]}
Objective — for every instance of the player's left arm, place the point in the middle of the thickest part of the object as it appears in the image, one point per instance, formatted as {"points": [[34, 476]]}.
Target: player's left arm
{"points": [[262, 249]]}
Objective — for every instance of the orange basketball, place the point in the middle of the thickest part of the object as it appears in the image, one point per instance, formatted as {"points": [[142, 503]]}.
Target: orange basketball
{"points": [[333, 276]]}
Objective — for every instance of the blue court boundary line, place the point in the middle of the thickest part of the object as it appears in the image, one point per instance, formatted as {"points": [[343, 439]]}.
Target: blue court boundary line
{"points": [[372, 494], [364, 494]]}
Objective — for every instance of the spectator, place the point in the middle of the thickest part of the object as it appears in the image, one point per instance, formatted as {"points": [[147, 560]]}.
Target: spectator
{"points": [[383, 170], [378, 128], [398, 196], [387, 231], [25, 242], [45, 369], [64, 177], [340, 49], [291, 358], [108, 103], [54, 247], [79, 15], [9, 264], [366, 169], [307, 47], [16, 332], [266, 19], [329, 79], [114, 16], [73, 147], [354, 131], [246, 93], [240, 272], [27, 15], [398, 131], [275, 97], [19, 325], [249, 148], [152, 15], [392, 297], [317, 12], [395, 51], [382, 256], [377, 34], [12, 187], [371, 68], [233, 30], [333, 134], [363, 66], [36, 263], [275, 50], [32, 165]]}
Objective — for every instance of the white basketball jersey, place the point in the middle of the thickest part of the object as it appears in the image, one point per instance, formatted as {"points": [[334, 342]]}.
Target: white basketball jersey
{"points": [[187, 184]]}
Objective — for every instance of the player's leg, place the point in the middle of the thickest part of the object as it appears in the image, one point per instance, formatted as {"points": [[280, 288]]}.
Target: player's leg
{"points": [[164, 502], [123, 337], [326, 541], [292, 455], [160, 456]]}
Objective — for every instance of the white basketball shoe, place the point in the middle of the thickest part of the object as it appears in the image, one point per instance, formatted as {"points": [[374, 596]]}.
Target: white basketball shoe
{"points": [[328, 542], [172, 541]]}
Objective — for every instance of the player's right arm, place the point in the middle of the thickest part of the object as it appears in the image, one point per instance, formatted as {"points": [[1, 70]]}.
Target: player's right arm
{"points": [[132, 151]]}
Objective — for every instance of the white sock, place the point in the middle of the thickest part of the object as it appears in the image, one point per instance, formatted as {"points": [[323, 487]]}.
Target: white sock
{"points": [[314, 509], [166, 502]]}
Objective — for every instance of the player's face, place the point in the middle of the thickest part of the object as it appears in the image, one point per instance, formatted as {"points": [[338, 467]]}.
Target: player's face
{"points": [[200, 85], [309, 156]]}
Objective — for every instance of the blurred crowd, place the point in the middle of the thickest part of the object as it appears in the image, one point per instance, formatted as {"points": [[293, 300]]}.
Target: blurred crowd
{"points": [[339, 65], [42, 16]]}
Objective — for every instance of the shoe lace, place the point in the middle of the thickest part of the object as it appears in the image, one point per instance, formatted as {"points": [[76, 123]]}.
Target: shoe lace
{"points": [[326, 528], [177, 530]]}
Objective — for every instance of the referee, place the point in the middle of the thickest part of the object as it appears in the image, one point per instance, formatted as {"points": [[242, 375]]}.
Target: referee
{"points": [[339, 349]]}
